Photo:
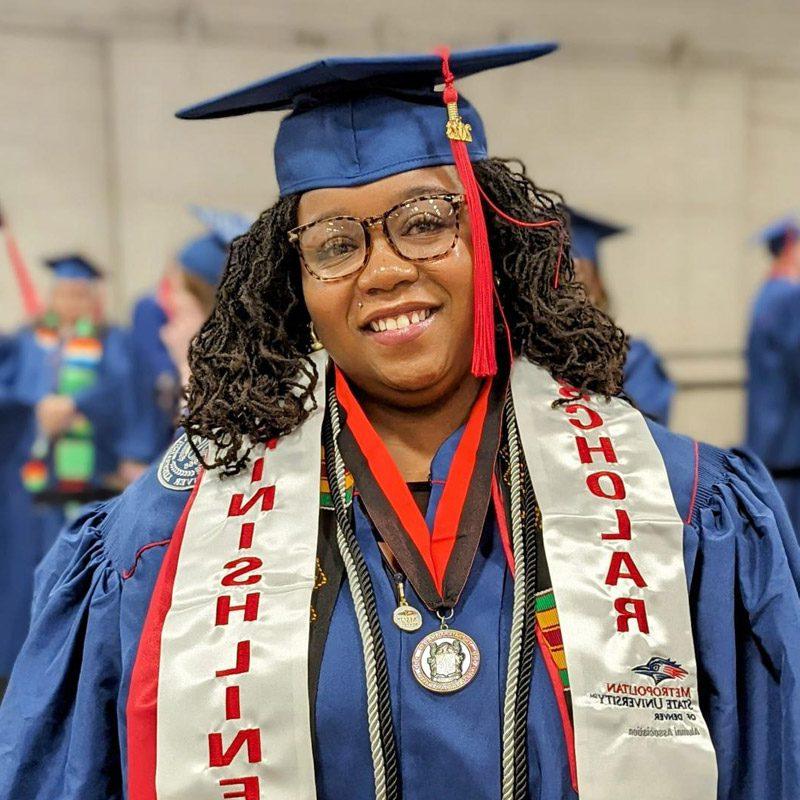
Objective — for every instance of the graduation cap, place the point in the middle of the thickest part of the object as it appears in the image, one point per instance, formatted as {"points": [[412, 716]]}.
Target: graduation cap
{"points": [[206, 255], [73, 266], [778, 234], [586, 233], [353, 121]]}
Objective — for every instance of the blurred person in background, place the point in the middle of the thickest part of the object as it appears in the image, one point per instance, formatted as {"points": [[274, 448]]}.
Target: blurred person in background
{"points": [[773, 363], [163, 324], [645, 380], [64, 379]]}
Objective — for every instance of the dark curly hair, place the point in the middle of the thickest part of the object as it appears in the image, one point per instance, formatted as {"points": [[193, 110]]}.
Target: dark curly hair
{"points": [[251, 374]]}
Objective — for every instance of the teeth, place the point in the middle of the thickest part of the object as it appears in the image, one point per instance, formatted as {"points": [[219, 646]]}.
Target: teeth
{"points": [[399, 322]]}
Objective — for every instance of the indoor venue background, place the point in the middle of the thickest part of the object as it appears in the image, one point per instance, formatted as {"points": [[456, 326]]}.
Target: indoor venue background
{"points": [[679, 119]]}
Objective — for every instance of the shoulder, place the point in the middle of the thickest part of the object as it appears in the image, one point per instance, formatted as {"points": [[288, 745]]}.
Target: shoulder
{"points": [[702, 475], [146, 513]]}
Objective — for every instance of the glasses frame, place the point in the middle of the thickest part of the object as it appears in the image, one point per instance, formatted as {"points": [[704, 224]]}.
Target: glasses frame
{"points": [[456, 200]]}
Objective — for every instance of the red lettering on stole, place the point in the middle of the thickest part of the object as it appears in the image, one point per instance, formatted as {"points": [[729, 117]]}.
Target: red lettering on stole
{"points": [[249, 738], [608, 485], [240, 567], [250, 789], [604, 446], [624, 525], [233, 708], [242, 661], [616, 489], [225, 606], [238, 506], [246, 535], [257, 472], [594, 420], [620, 560], [631, 608]]}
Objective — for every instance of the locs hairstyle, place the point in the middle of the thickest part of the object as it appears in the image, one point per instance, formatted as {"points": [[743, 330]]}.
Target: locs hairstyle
{"points": [[251, 375]]}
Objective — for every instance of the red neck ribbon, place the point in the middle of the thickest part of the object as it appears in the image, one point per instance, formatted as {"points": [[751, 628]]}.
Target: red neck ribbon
{"points": [[434, 548]]}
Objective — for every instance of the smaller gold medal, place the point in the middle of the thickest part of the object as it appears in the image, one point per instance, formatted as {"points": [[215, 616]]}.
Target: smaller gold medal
{"points": [[405, 616]]}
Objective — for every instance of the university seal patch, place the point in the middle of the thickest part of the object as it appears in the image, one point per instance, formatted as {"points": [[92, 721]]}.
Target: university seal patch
{"points": [[180, 467]]}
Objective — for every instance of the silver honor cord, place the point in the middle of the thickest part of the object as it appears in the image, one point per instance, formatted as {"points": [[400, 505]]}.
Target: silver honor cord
{"points": [[367, 641], [518, 609]]}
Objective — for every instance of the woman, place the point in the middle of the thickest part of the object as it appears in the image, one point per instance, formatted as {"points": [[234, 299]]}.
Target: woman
{"points": [[396, 629]]}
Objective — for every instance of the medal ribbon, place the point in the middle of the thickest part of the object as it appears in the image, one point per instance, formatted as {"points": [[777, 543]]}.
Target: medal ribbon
{"points": [[436, 562]]}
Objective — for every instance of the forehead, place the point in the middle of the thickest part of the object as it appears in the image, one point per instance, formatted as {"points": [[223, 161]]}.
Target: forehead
{"points": [[377, 197]]}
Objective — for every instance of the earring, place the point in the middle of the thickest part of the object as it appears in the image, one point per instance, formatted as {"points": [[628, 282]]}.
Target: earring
{"points": [[316, 344]]}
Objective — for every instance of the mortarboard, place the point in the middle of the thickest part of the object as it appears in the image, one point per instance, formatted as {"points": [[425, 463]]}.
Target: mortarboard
{"points": [[206, 255], [586, 233], [775, 235], [73, 267], [356, 120]]}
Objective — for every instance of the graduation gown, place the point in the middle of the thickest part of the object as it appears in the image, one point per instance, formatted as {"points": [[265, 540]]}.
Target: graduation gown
{"points": [[154, 386], [29, 372], [646, 382], [773, 386], [18, 550], [64, 734]]}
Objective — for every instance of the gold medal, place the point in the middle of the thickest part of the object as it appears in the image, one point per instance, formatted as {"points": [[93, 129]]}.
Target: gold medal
{"points": [[405, 616], [445, 660]]}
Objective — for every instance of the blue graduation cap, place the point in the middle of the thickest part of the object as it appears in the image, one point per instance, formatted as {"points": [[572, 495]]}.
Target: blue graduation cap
{"points": [[586, 233], [206, 255], [73, 266], [775, 235], [356, 120]]}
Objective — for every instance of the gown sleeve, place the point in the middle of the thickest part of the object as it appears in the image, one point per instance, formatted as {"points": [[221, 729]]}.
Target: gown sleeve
{"points": [[646, 382], [743, 563], [58, 720]]}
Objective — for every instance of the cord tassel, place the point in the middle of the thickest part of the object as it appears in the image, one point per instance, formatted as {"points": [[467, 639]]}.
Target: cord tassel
{"points": [[484, 357]]}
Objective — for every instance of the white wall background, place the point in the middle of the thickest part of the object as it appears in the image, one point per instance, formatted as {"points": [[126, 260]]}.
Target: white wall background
{"points": [[679, 118]]}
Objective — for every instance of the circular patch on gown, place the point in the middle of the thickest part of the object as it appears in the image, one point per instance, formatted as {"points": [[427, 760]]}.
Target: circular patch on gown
{"points": [[180, 466]]}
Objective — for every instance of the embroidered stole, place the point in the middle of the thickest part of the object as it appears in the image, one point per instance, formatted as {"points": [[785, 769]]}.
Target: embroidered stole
{"points": [[219, 698]]}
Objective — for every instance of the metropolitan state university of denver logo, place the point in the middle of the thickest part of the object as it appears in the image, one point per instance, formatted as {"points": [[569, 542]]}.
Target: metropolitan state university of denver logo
{"points": [[661, 669]]}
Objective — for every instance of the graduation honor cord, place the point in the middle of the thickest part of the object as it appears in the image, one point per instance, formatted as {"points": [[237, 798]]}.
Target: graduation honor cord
{"points": [[446, 646]]}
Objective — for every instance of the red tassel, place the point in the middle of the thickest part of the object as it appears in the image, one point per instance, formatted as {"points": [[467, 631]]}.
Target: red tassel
{"points": [[30, 298], [484, 358]]}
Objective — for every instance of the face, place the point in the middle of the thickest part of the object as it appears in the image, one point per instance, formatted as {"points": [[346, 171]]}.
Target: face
{"points": [[72, 300], [401, 330], [586, 272]]}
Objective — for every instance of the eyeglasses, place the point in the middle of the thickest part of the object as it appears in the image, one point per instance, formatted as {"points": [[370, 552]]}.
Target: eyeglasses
{"points": [[421, 229]]}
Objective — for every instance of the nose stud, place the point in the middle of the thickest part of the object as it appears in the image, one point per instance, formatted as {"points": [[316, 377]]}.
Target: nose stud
{"points": [[360, 304]]}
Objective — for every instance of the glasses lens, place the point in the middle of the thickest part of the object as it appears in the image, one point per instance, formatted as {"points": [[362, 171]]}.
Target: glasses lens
{"points": [[425, 228], [332, 248]]}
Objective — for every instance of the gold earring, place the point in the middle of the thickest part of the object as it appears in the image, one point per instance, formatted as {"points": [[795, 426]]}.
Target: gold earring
{"points": [[316, 344]]}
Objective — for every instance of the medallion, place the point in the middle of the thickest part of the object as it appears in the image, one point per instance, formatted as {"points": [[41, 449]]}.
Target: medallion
{"points": [[445, 661], [407, 618]]}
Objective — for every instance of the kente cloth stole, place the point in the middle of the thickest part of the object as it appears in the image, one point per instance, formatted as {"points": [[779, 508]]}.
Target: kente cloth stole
{"points": [[219, 698]]}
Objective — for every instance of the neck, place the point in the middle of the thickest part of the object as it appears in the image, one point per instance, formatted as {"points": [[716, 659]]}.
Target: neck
{"points": [[413, 435]]}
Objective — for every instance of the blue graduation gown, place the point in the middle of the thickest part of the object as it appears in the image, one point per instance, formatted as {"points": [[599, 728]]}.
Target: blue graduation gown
{"points": [[150, 425], [773, 386], [18, 551], [63, 735], [646, 382], [29, 372]]}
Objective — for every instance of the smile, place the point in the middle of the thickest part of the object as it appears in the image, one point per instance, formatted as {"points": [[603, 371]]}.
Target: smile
{"points": [[400, 321]]}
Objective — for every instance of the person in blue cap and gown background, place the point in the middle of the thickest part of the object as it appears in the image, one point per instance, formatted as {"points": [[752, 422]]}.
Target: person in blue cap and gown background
{"points": [[65, 377], [430, 609], [773, 363], [646, 381], [162, 326]]}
